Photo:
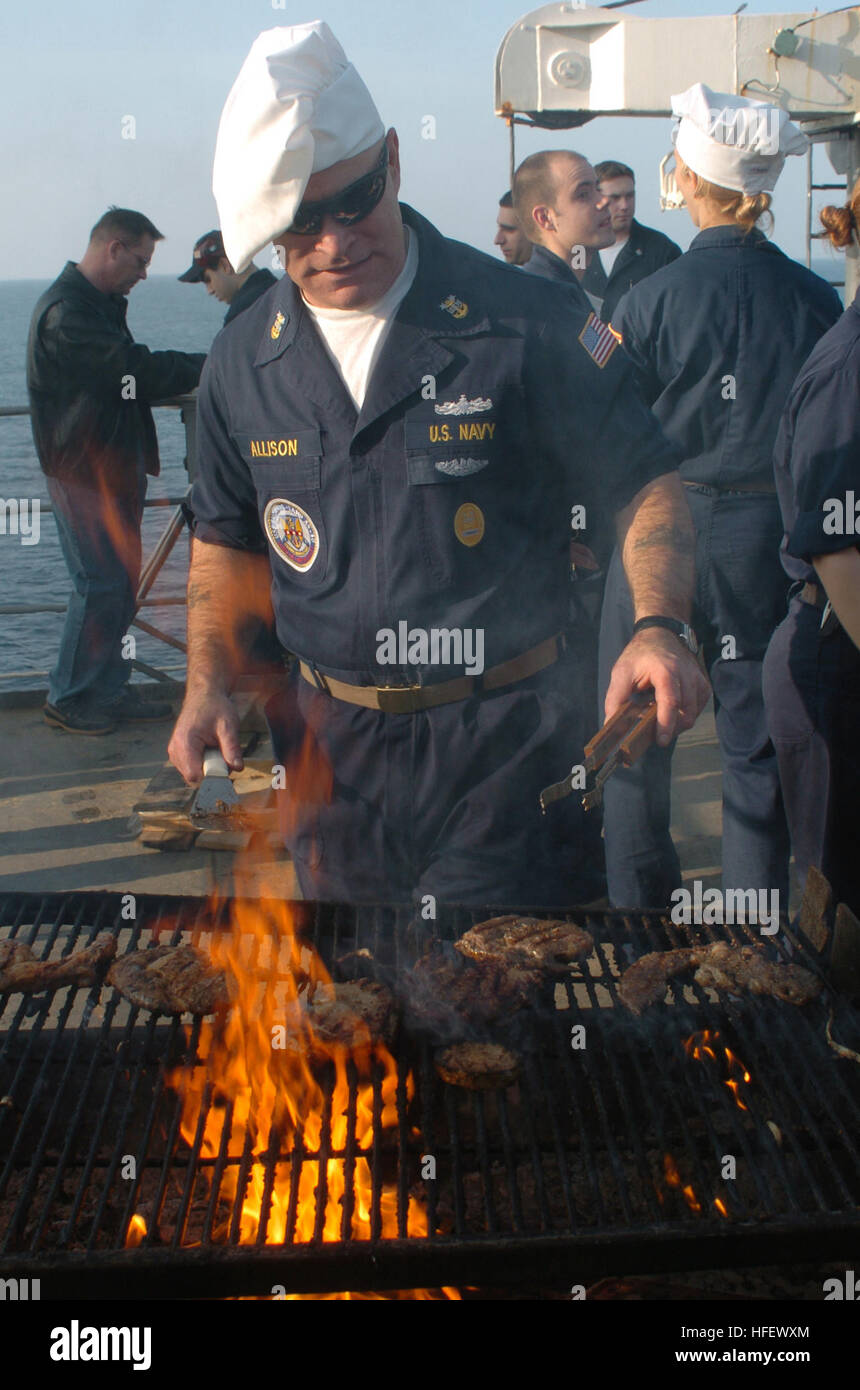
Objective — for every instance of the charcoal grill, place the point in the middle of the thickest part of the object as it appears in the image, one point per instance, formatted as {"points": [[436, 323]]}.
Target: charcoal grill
{"points": [[560, 1180]]}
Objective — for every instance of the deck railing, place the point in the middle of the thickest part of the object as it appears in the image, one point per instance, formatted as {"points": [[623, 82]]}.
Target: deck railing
{"points": [[187, 406]]}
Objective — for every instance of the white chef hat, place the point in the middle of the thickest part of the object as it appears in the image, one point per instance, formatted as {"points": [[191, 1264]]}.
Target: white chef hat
{"points": [[732, 141], [296, 107]]}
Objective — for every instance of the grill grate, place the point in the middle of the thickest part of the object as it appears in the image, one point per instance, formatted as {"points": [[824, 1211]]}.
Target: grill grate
{"points": [[560, 1179]]}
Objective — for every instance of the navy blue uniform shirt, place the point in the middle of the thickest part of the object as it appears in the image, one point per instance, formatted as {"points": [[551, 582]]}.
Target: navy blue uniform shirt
{"points": [[716, 338], [496, 405], [817, 456], [549, 266]]}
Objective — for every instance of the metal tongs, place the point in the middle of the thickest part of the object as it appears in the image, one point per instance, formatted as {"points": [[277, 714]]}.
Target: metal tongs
{"points": [[620, 743]]}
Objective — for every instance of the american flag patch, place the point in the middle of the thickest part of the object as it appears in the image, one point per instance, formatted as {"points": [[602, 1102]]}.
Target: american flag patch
{"points": [[599, 340]]}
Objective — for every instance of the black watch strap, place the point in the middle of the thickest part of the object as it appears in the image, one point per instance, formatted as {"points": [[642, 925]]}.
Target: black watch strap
{"points": [[683, 631]]}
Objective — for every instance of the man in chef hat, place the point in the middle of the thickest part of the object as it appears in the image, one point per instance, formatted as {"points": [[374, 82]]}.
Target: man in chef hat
{"points": [[395, 434], [299, 125], [717, 338]]}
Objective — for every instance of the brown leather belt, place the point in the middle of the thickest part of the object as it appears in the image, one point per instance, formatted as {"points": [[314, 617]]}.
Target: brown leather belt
{"points": [[408, 699], [814, 594]]}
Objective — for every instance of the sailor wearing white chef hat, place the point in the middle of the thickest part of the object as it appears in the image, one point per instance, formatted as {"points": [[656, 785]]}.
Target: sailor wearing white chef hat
{"points": [[392, 438], [734, 142], [296, 108], [717, 338]]}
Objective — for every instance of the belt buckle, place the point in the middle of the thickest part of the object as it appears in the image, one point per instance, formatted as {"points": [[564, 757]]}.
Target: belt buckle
{"points": [[398, 699]]}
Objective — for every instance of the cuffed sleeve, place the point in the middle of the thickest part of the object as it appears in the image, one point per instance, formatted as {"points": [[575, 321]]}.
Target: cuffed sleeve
{"points": [[223, 502]]}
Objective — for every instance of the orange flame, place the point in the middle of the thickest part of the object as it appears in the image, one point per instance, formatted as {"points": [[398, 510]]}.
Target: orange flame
{"points": [[707, 1044], [256, 1090], [672, 1178], [290, 1128], [136, 1232]]}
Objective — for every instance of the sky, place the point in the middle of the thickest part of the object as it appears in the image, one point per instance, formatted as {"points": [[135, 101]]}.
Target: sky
{"points": [[71, 73]]}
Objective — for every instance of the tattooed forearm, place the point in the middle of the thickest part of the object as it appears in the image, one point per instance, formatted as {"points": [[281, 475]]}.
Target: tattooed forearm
{"points": [[197, 594], [657, 540], [225, 588]]}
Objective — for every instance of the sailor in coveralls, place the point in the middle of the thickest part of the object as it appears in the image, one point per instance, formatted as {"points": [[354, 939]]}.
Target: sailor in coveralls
{"points": [[395, 434], [812, 668], [716, 339]]}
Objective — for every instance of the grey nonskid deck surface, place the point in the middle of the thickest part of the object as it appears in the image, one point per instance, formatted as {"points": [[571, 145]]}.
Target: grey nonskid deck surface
{"points": [[65, 815]]}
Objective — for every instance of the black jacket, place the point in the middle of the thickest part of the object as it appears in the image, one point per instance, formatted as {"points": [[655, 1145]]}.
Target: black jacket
{"points": [[91, 384], [644, 252], [254, 286]]}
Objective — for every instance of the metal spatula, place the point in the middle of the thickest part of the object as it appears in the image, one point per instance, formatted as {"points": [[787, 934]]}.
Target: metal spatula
{"points": [[216, 794]]}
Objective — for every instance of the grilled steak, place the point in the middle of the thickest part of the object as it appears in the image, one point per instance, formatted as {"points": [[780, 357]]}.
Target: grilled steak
{"points": [[738, 968], [22, 973], [644, 982], [170, 980], [451, 995], [478, 1066], [352, 1014], [722, 966], [547, 945]]}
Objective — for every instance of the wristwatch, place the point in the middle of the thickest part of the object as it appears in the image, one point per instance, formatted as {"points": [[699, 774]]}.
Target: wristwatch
{"points": [[682, 631]]}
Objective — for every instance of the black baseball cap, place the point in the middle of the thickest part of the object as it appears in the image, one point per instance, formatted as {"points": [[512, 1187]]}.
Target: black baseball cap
{"points": [[207, 253]]}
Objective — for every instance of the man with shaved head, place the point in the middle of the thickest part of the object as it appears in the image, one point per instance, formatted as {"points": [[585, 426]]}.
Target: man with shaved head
{"points": [[561, 211]]}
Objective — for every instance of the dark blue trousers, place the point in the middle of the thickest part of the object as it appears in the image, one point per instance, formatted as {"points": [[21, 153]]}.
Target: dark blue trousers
{"points": [[390, 808], [812, 699], [740, 597], [99, 535]]}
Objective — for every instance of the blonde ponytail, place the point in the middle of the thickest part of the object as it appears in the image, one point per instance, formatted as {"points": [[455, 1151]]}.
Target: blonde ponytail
{"points": [[746, 209]]}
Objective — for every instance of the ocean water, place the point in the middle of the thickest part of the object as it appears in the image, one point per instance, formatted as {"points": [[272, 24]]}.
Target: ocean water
{"points": [[163, 313]]}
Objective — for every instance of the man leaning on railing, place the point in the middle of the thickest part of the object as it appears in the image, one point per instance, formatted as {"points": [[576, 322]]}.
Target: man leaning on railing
{"points": [[91, 387]]}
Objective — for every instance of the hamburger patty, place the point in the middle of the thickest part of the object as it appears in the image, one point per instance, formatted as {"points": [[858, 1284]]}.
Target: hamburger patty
{"points": [[22, 973], [450, 995], [170, 980], [478, 1066], [352, 1014], [532, 941]]}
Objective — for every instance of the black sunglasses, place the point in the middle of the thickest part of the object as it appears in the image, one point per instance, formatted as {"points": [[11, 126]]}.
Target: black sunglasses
{"points": [[347, 207]]}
